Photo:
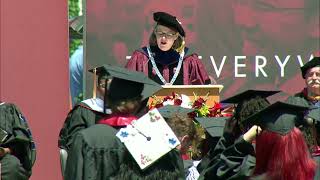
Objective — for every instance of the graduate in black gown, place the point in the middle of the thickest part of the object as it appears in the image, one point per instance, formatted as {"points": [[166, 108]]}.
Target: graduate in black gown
{"points": [[233, 157], [87, 112], [169, 166], [281, 150], [97, 153], [17, 148]]}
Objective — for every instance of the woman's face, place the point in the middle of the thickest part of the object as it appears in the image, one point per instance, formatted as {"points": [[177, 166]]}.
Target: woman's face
{"points": [[165, 37]]}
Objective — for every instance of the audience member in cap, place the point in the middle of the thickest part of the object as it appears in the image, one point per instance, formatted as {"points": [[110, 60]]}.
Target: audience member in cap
{"points": [[87, 112], [227, 160], [17, 148], [170, 166], [166, 60], [97, 153], [310, 96], [281, 151]]}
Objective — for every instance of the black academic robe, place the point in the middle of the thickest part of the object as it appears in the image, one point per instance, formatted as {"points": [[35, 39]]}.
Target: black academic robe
{"points": [[192, 72], [97, 154], [79, 118], [15, 135], [301, 100], [230, 160]]}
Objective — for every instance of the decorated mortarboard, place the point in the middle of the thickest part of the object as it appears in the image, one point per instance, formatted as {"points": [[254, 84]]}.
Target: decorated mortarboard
{"points": [[168, 20], [247, 95], [310, 64], [213, 125], [148, 138], [129, 84], [169, 111], [279, 117]]}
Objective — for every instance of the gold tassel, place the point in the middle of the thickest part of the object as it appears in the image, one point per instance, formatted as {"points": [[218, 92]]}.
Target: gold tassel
{"points": [[94, 95]]}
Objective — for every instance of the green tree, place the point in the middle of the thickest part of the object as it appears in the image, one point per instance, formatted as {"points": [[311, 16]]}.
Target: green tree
{"points": [[74, 10]]}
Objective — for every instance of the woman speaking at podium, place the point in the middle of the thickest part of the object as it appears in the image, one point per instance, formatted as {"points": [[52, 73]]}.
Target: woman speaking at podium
{"points": [[166, 60]]}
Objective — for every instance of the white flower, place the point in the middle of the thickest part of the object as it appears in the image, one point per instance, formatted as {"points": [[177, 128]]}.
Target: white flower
{"points": [[186, 103], [168, 102]]}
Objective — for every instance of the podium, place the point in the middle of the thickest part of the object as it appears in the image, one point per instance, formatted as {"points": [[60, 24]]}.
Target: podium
{"points": [[190, 90]]}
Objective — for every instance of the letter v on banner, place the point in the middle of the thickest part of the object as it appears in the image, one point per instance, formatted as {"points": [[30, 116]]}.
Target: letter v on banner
{"points": [[216, 69]]}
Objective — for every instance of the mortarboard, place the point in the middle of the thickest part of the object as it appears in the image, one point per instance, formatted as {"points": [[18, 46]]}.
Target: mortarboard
{"points": [[129, 84], [213, 125], [169, 111], [148, 138], [279, 117], [310, 64], [100, 70], [168, 20], [248, 94]]}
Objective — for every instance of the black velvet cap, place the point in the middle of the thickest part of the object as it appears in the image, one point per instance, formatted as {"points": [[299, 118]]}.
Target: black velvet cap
{"points": [[168, 20], [127, 84], [310, 64], [248, 94], [213, 125], [169, 111], [279, 117]]}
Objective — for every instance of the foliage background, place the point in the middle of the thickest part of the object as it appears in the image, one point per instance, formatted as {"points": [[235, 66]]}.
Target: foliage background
{"points": [[75, 9]]}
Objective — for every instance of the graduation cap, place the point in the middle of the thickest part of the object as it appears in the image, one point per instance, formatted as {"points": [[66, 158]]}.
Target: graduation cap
{"points": [[128, 84], [168, 20], [148, 138], [100, 71], [248, 94], [279, 117], [169, 111], [213, 125], [310, 64]]}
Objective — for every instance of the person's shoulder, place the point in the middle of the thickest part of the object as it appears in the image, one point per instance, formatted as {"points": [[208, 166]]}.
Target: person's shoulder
{"points": [[99, 135], [141, 51], [297, 99], [79, 107], [190, 54]]}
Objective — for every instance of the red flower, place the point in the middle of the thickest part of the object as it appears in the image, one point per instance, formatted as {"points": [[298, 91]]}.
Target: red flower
{"points": [[177, 102], [158, 105], [192, 114], [198, 103], [167, 98], [217, 106]]}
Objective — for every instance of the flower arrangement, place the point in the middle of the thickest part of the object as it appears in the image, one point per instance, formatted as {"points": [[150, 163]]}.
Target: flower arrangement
{"points": [[201, 109]]}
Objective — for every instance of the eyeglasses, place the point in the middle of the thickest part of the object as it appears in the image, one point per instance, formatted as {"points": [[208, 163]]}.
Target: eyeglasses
{"points": [[160, 34], [102, 85]]}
